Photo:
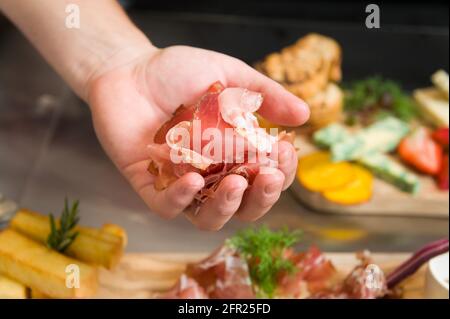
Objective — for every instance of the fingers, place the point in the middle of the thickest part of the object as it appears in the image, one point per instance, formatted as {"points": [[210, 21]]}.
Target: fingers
{"points": [[265, 191], [287, 162], [216, 211], [279, 106], [228, 199], [173, 200], [263, 194]]}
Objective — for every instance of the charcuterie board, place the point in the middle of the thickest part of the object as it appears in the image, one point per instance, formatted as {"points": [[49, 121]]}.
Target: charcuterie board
{"points": [[147, 275], [386, 199]]}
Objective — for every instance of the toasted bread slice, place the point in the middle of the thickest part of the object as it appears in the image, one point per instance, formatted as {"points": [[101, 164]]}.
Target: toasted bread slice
{"points": [[326, 106], [328, 49], [308, 89], [305, 67]]}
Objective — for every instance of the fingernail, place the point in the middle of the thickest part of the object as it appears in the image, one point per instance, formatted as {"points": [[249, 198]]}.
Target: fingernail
{"points": [[272, 188], [234, 194]]}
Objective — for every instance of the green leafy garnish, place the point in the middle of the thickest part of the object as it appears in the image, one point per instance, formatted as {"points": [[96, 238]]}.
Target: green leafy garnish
{"points": [[365, 99], [60, 238], [263, 249]]}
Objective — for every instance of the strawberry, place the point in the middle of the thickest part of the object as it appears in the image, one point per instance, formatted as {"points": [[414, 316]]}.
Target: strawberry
{"points": [[441, 136], [442, 177], [422, 152]]}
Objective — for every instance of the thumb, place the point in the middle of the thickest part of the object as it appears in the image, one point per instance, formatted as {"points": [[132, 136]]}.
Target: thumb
{"points": [[279, 105]]}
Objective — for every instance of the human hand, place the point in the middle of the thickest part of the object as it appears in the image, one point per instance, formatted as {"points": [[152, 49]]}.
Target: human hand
{"points": [[130, 100]]}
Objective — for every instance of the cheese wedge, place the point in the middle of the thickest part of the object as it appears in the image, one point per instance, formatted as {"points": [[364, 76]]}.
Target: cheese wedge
{"points": [[391, 171], [433, 106], [440, 81], [381, 137]]}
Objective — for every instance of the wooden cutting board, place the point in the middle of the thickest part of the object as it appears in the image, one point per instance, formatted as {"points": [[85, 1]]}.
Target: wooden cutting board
{"points": [[147, 275], [386, 199]]}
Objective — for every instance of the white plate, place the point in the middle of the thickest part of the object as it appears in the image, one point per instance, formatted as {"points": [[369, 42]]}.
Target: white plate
{"points": [[436, 285]]}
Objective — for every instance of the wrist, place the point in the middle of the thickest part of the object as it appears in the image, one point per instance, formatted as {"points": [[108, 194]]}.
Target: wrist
{"points": [[101, 64]]}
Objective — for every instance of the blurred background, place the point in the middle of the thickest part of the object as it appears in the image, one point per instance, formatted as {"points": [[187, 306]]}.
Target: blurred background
{"points": [[48, 149]]}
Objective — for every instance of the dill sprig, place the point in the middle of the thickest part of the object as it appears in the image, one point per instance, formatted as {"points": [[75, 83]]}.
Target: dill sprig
{"points": [[263, 249], [60, 238]]}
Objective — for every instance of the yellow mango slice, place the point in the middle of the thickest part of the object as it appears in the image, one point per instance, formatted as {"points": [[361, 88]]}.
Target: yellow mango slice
{"points": [[358, 191], [317, 173], [309, 161]]}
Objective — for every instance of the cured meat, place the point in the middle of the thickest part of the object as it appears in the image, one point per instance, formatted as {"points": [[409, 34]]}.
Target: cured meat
{"points": [[356, 285], [316, 277], [223, 275], [314, 273], [186, 288], [215, 137]]}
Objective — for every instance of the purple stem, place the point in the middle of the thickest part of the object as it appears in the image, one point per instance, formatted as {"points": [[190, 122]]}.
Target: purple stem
{"points": [[419, 258]]}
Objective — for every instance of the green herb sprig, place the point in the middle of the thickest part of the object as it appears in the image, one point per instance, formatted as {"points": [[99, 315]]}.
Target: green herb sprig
{"points": [[370, 98], [263, 249], [60, 238]]}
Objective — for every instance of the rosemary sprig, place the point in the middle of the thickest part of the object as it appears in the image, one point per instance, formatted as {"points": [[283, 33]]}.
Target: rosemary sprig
{"points": [[60, 238], [263, 249]]}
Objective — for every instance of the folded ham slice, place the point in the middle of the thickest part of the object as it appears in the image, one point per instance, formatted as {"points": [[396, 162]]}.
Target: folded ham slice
{"points": [[186, 288], [215, 137], [223, 275], [317, 278], [356, 285], [314, 273]]}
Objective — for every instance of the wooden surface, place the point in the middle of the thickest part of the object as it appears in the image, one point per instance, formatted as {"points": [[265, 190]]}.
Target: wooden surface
{"points": [[147, 275], [386, 198]]}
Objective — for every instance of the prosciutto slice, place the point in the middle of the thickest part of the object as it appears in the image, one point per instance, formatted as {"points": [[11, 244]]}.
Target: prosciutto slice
{"points": [[223, 275], [355, 285], [317, 278], [314, 273], [215, 137], [186, 288]]}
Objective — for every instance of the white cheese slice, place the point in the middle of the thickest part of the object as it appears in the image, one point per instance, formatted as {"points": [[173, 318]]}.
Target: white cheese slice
{"points": [[433, 105]]}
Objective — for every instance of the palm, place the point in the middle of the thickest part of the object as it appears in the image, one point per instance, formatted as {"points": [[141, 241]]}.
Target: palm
{"points": [[131, 102]]}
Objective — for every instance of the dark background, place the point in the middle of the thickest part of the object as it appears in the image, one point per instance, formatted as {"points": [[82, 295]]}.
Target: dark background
{"points": [[430, 13], [411, 44]]}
